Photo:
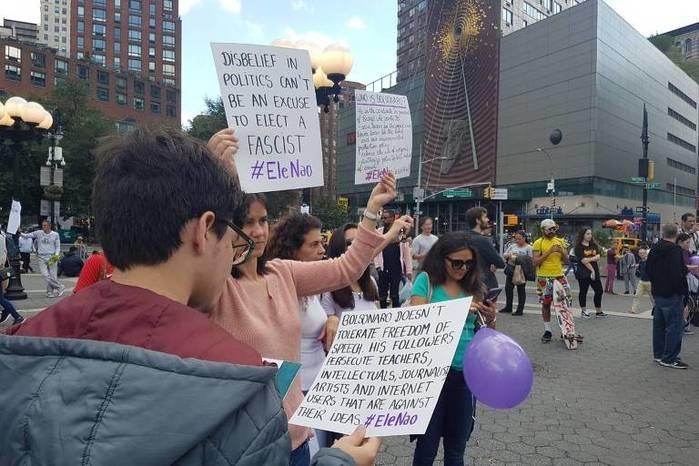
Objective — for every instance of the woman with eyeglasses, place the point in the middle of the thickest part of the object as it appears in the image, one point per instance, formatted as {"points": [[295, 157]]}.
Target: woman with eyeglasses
{"points": [[450, 272], [361, 294], [260, 304]]}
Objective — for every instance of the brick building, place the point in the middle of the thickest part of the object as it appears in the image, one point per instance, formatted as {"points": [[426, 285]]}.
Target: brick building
{"points": [[31, 70]]}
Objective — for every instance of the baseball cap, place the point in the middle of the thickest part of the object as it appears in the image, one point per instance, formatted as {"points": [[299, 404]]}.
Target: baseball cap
{"points": [[548, 223]]}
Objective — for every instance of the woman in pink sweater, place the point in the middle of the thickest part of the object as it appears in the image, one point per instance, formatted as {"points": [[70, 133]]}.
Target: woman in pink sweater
{"points": [[260, 304]]}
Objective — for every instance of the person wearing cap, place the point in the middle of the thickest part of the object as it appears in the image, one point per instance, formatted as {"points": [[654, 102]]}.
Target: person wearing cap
{"points": [[549, 256]]}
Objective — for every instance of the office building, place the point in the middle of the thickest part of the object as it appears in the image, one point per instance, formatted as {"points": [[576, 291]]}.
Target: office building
{"points": [[54, 29], [20, 30]]}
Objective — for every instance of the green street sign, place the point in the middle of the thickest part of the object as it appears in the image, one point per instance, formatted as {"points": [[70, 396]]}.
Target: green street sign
{"points": [[638, 179], [458, 193], [652, 185]]}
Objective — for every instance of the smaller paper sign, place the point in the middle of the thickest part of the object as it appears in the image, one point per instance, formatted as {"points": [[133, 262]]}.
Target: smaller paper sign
{"points": [[385, 370], [15, 216], [384, 136], [269, 98]]}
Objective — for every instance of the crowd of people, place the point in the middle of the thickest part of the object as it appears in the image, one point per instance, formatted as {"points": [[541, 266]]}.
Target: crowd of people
{"points": [[191, 278]]}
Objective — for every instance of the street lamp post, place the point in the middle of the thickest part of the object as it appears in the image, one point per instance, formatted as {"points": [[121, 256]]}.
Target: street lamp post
{"points": [[555, 138], [20, 121], [54, 162], [418, 199]]}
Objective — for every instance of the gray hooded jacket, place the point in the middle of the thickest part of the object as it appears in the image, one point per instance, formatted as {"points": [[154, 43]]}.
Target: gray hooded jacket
{"points": [[82, 402]]}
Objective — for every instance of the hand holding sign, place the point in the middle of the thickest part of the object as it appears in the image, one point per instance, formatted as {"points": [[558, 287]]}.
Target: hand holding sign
{"points": [[363, 451], [224, 145], [400, 227], [383, 193]]}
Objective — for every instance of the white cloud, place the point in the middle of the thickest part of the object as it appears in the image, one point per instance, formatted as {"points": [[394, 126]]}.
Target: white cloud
{"points": [[186, 5], [231, 5], [355, 22], [309, 38], [298, 5], [254, 30]]}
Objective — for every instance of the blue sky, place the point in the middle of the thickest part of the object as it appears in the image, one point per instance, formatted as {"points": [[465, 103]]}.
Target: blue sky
{"points": [[367, 27]]}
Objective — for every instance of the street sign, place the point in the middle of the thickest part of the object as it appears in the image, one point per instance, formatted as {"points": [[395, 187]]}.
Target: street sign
{"points": [[458, 193], [418, 193], [639, 210], [499, 194], [638, 179], [652, 185]]}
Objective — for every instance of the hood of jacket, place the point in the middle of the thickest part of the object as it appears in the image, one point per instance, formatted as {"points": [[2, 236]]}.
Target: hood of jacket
{"points": [[85, 402]]}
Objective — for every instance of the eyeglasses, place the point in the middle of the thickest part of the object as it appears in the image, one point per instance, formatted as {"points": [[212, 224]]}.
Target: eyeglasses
{"points": [[552, 229], [242, 244], [458, 264], [348, 242]]}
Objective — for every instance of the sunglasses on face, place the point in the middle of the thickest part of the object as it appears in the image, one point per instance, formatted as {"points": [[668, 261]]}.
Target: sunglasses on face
{"points": [[348, 242], [552, 230], [242, 243], [458, 264]]}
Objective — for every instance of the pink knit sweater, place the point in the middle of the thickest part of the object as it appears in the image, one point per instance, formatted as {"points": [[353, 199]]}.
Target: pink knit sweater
{"points": [[273, 327]]}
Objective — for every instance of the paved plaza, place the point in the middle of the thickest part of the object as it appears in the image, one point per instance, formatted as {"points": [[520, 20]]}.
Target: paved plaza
{"points": [[606, 403]]}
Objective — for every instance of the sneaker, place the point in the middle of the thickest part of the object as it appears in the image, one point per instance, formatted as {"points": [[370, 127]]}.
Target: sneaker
{"points": [[518, 313], [688, 330], [600, 314], [60, 291], [50, 294], [586, 314], [657, 360], [676, 364], [18, 320], [546, 338], [4, 316], [504, 310]]}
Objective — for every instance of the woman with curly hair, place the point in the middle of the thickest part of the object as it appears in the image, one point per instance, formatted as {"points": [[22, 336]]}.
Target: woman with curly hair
{"points": [[260, 303], [360, 295], [450, 272]]}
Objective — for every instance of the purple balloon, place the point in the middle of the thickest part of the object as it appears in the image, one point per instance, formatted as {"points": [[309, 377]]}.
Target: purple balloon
{"points": [[497, 370], [694, 260]]}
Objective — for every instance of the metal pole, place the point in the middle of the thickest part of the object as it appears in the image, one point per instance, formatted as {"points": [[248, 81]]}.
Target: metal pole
{"points": [[644, 142], [501, 227], [52, 170], [470, 121], [674, 199], [419, 185]]}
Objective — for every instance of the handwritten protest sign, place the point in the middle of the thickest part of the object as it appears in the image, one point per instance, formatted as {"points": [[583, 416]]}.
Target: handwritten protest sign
{"points": [[385, 370], [384, 136], [270, 101]]}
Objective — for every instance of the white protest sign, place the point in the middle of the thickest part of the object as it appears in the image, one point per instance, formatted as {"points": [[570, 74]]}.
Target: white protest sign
{"points": [[15, 217], [385, 370], [270, 101], [384, 136]]}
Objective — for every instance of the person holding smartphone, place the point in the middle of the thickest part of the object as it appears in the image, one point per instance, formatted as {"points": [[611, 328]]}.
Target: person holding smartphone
{"points": [[450, 271], [550, 253]]}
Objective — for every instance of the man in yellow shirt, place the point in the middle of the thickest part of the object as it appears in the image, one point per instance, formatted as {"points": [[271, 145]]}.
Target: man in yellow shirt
{"points": [[550, 254]]}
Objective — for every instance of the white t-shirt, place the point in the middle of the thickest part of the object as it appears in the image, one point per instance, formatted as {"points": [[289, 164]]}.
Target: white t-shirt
{"points": [[313, 320], [422, 245], [333, 309]]}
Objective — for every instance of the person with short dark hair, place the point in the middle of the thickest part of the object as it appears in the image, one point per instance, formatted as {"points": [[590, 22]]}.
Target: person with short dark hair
{"points": [[393, 263], [488, 258], [689, 221], [627, 264], [70, 264], [667, 272], [140, 347], [644, 286], [516, 252]]}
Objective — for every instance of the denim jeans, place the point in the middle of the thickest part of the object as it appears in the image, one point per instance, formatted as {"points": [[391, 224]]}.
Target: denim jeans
{"points": [[7, 306], [453, 419], [667, 327], [301, 456]]}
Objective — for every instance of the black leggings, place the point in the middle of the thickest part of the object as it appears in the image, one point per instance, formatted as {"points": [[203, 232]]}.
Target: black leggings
{"points": [[596, 285], [509, 294]]}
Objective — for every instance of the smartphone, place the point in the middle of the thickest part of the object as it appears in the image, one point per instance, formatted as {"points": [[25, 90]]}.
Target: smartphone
{"points": [[492, 296]]}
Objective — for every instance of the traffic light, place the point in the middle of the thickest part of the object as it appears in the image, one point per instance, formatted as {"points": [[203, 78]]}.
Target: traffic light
{"points": [[651, 170], [488, 192], [511, 220]]}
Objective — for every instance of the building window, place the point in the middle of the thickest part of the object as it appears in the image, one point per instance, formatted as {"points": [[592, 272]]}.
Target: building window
{"points": [[507, 15], [83, 72], [171, 111], [99, 29], [154, 107], [167, 5], [135, 5], [117, 33], [680, 189], [121, 83], [151, 23], [13, 54], [151, 9], [80, 55], [169, 41], [99, 59], [533, 12], [103, 94], [117, 62], [121, 99], [81, 26], [98, 45], [681, 142], [139, 88], [134, 20], [134, 35], [46, 37], [171, 96], [169, 81], [548, 4], [168, 55], [81, 42], [117, 17], [154, 92], [151, 52], [13, 72], [685, 121], [138, 104], [117, 48], [117, 4], [81, 11], [169, 26], [169, 69], [681, 166], [151, 66], [99, 15], [135, 51], [134, 64], [38, 60], [102, 77], [60, 66], [681, 94]]}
